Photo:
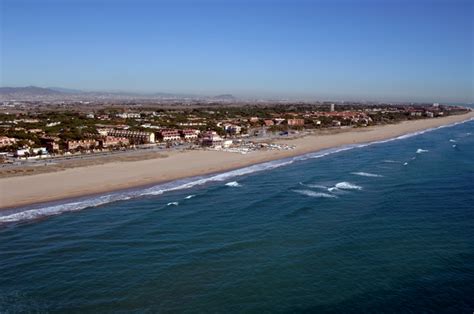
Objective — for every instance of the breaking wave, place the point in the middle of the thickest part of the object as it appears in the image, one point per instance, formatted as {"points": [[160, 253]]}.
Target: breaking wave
{"points": [[172, 204], [314, 194], [315, 186], [347, 186], [51, 209], [367, 174], [233, 184], [189, 197], [421, 151]]}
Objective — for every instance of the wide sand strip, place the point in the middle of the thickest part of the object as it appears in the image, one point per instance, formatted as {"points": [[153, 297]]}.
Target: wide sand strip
{"points": [[23, 190]]}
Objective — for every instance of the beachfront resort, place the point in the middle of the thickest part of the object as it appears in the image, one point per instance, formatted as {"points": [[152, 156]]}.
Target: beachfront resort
{"points": [[74, 130]]}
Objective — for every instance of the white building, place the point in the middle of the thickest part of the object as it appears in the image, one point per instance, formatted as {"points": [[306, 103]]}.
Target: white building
{"points": [[211, 138]]}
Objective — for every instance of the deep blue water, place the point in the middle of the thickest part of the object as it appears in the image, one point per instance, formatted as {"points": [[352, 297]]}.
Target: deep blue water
{"points": [[379, 228]]}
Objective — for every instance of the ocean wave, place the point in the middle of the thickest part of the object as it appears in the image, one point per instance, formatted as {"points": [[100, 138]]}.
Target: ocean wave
{"points": [[454, 145], [233, 184], [347, 186], [452, 141], [31, 213], [189, 197], [421, 151], [391, 161], [367, 174], [315, 186], [405, 163], [314, 194], [172, 204]]}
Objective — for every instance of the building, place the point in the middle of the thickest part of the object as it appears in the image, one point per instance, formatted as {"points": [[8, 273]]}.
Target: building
{"points": [[169, 135], [51, 124], [51, 143], [253, 119], [7, 141], [278, 121], [112, 141], [129, 115], [296, 122], [332, 107], [268, 122], [135, 137], [81, 144], [189, 134], [232, 128], [211, 138], [27, 152]]}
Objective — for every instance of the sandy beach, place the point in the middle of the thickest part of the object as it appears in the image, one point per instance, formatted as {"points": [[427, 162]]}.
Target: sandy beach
{"points": [[88, 180]]}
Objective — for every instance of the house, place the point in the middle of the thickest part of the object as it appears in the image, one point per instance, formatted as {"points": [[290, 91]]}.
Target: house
{"points": [[189, 134], [253, 119], [51, 143], [26, 152], [211, 138], [278, 121], [296, 122], [112, 141], [169, 135], [7, 141], [81, 144], [268, 122], [336, 123], [232, 128]]}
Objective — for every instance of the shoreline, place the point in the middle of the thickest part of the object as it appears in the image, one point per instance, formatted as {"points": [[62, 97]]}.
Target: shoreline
{"points": [[73, 183]]}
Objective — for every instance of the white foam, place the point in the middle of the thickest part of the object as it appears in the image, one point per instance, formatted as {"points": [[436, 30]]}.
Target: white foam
{"points": [[233, 184], [452, 141], [172, 204], [454, 145], [49, 210], [314, 194], [367, 174], [189, 197], [347, 186], [391, 161], [421, 151], [315, 186], [405, 164]]}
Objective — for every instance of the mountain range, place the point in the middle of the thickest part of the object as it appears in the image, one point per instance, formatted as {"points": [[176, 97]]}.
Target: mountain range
{"points": [[29, 92]]}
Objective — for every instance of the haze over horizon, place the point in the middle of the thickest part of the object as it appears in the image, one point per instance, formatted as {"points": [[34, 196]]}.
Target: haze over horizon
{"points": [[362, 50]]}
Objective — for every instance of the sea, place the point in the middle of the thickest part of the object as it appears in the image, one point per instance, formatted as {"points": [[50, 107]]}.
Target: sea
{"points": [[379, 227]]}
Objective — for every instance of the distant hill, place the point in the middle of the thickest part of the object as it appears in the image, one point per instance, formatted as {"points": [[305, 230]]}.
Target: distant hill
{"points": [[225, 97], [28, 91], [66, 90], [60, 93]]}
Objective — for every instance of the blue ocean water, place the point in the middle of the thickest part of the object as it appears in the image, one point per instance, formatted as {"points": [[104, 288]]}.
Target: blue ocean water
{"points": [[386, 227]]}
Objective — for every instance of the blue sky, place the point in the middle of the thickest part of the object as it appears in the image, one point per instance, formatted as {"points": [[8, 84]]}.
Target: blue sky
{"points": [[374, 50]]}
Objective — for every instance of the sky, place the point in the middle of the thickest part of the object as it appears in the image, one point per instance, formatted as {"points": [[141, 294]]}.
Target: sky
{"points": [[385, 50]]}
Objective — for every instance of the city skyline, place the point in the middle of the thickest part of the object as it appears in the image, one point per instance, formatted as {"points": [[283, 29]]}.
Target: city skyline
{"points": [[361, 50]]}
